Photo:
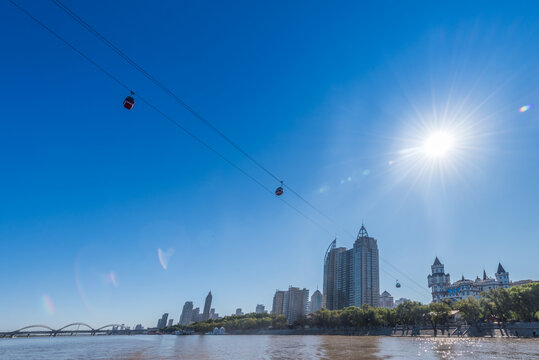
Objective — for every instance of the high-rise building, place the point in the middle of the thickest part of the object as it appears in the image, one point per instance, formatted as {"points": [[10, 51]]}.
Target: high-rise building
{"points": [[197, 316], [260, 309], [207, 307], [351, 277], [316, 301], [161, 323], [278, 302], [295, 303], [386, 300], [170, 322], [187, 313]]}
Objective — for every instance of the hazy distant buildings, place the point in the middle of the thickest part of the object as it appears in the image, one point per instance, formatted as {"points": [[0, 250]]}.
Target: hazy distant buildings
{"points": [[197, 316], [239, 312], [386, 300], [213, 314], [401, 301], [443, 289], [207, 307], [351, 277], [260, 309], [187, 313], [170, 322], [278, 302], [316, 301], [138, 327], [161, 323]]}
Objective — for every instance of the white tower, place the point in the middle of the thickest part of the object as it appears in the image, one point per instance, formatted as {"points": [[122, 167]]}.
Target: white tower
{"points": [[438, 281]]}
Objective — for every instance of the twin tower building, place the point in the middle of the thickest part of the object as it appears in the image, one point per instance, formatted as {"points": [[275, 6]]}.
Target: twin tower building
{"points": [[351, 277]]}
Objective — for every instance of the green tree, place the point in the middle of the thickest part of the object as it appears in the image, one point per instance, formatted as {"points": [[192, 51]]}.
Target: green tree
{"points": [[498, 304], [525, 301], [471, 310], [438, 314]]}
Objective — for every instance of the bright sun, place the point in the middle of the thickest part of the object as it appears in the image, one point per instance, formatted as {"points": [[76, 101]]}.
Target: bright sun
{"points": [[438, 144]]}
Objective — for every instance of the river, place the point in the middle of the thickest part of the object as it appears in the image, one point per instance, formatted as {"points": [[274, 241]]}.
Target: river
{"points": [[265, 347]]}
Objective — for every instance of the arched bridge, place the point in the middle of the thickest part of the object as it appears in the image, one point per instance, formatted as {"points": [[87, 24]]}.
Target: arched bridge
{"points": [[76, 328]]}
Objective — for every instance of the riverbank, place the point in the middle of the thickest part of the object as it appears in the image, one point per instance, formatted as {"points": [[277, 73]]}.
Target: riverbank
{"points": [[516, 330]]}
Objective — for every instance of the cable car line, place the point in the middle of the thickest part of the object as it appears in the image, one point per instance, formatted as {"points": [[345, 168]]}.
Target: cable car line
{"points": [[166, 116], [187, 107], [159, 84]]}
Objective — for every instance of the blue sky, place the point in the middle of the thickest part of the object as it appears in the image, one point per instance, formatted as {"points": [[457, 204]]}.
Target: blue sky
{"points": [[337, 99]]}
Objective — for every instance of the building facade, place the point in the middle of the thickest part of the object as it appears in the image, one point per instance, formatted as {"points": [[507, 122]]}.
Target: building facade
{"points": [[278, 302], [351, 277], [207, 307], [239, 312], [316, 301], [386, 300], [260, 309], [161, 323], [443, 289], [187, 313], [295, 304]]}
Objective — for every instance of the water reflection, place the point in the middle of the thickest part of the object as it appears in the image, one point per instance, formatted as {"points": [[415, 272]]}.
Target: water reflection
{"points": [[266, 348]]}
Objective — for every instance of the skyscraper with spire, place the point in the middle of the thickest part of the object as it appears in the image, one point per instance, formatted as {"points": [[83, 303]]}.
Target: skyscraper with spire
{"points": [[351, 277], [207, 307]]}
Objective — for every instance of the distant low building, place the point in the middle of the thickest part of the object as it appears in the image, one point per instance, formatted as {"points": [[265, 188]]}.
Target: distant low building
{"points": [[239, 312], [443, 289], [401, 301], [139, 327], [386, 300], [260, 309]]}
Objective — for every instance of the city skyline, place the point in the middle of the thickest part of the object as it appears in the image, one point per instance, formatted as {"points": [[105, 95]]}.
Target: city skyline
{"points": [[115, 214]]}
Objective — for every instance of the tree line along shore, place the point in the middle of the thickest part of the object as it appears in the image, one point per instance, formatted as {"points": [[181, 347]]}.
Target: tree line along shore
{"points": [[497, 306]]}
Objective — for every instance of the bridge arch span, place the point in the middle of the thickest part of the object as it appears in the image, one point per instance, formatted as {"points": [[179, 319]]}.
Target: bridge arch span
{"points": [[76, 323], [106, 326], [34, 326]]}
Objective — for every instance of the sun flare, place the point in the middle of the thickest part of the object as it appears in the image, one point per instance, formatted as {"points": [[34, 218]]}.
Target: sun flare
{"points": [[439, 144]]}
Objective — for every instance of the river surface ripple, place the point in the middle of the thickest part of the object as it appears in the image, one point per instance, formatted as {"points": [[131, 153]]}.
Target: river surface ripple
{"points": [[250, 347]]}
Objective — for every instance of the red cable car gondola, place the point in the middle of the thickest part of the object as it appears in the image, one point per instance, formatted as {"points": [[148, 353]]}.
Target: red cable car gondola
{"points": [[129, 102], [279, 191]]}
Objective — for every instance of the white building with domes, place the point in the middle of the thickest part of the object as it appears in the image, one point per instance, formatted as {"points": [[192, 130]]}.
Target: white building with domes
{"points": [[443, 289]]}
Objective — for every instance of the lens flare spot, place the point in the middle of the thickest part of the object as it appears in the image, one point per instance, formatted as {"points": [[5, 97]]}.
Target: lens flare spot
{"points": [[48, 304], [366, 172], [164, 257], [112, 278], [323, 189], [349, 179], [390, 162], [525, 108]]}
